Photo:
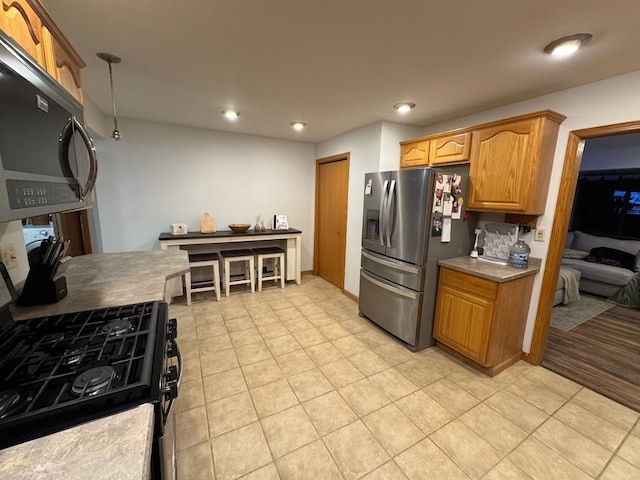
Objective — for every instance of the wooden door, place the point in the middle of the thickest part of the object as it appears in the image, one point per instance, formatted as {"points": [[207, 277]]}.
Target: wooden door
{"points": [[332, 188], [74, 226]]}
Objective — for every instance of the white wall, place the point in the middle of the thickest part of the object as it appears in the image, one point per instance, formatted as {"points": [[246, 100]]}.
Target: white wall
{"points": [[11, 234], [390, 137], [610, 101], [162, 174], [364, 146]]}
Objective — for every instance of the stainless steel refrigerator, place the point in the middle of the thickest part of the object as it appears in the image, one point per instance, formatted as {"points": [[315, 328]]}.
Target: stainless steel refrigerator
{"points": [[412, 219]]}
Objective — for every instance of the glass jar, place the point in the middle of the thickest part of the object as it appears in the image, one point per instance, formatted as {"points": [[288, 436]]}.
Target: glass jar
{"points": [[519, 254]]}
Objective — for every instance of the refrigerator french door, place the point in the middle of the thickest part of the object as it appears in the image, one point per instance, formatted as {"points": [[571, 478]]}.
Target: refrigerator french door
{"points": [[398, 276]]}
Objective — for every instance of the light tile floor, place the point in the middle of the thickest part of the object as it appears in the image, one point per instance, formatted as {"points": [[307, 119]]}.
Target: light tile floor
{"points": [[292, 384]]}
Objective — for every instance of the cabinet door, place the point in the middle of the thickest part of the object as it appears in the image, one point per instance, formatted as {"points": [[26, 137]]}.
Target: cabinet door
{"points": [[450, 149], [463, 322], [61, 65], [20, 22], [501, 167], [414, 154]]}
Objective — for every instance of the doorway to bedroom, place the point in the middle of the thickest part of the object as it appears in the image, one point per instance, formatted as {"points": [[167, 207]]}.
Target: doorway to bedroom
{"points": [[591, 339]]}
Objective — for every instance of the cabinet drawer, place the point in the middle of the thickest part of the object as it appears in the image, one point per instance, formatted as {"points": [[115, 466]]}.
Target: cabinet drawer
{"points": [[469, 283]]}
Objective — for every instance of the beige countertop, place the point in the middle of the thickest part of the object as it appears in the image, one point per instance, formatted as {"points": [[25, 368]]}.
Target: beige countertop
{"points": [[490, 271], [117, 447], [107, 279]]}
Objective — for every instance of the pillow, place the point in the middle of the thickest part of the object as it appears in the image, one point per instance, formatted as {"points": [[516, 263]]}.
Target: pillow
{"points": [[575, 254], [636, 266], [611, 256]]}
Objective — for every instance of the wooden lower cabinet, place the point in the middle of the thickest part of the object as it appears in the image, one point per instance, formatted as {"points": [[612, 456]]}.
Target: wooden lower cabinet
{"points": [[482, 320]]}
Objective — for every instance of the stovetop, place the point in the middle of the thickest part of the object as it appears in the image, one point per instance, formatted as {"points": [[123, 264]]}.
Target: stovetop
{"points": [[61, 370]]}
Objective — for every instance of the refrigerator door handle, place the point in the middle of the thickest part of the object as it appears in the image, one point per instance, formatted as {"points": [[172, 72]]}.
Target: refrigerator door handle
{"points": [[390, 214], [393, 265], [384, 286], [381, 215]]}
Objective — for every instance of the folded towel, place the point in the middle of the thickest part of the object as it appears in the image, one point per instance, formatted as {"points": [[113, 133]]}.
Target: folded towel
{"points": [[571, 288]]}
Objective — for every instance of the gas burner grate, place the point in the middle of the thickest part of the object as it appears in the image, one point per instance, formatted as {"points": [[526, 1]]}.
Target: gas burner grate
{"points": [[93, 381]]}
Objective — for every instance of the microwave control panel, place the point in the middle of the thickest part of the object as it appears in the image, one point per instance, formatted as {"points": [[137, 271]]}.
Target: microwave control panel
{"points": [[28, 194]]}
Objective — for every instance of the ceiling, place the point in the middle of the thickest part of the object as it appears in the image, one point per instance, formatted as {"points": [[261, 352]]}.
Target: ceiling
{"points": [[337, 64]]}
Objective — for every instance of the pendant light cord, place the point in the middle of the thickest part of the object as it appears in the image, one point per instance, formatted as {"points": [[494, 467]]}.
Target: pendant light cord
{"points": [[113, 99]]}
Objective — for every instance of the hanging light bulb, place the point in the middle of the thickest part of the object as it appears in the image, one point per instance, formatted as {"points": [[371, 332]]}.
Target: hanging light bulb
{"points": [[109, 58]]}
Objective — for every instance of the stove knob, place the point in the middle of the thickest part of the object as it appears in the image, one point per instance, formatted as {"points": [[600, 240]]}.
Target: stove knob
{"points": [[171, 374], [172, 329], [170, 391]]}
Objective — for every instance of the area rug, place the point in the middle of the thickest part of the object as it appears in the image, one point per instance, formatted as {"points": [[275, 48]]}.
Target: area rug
{"points": [[567, 317]]}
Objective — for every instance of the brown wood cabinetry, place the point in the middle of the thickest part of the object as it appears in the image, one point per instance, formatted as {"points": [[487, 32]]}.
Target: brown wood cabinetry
{"points": [[414, 153], [511, 163], [449, 149], [481, 319], [31, 27], [441, 149], [20, 21], [63, 64]]}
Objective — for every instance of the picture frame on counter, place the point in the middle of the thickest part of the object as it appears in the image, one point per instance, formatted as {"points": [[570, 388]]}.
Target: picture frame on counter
{"points": [[280, 222]]}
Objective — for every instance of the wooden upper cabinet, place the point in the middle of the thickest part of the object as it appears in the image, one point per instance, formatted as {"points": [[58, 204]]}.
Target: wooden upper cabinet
{"points": [[31, 27], [450, 149], [511, 163], [63, 65], [21, 22], [414, 153]]}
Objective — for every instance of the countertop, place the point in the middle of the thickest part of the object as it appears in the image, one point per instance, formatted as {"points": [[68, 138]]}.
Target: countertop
{"points": [[491, 271], [227, 233], [108, 279], [117, 447]]}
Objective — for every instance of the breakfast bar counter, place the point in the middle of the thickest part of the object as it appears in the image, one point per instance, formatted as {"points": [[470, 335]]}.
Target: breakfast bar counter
{"points": [[227, 239], [107, 279]]}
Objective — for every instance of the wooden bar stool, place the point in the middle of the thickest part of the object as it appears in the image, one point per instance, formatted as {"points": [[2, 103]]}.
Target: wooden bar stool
{"points": [[203, 260], [232, 256], [278, 255]]}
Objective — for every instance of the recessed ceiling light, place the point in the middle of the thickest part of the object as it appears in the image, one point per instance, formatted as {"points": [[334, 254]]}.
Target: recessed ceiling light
{"points": [[231, 114], [565, 46], [404, 107], [298, 125]]}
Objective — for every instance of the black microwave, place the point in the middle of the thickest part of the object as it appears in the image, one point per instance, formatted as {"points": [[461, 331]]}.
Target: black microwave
{"points": [[48, 162]]}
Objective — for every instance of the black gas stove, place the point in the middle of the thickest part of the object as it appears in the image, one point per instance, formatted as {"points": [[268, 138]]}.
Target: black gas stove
{"points": [[63, 370]]}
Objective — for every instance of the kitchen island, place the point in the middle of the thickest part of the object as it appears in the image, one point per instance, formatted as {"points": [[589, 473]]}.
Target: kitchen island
{"points": [[117, 446]]}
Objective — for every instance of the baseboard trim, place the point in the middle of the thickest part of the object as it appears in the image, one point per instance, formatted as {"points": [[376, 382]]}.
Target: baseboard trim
{"points": [[350, 295], [306, 272]]}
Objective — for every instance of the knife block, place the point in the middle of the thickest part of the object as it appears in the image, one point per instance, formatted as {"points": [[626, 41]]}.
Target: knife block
{"points": [[39, 288]]}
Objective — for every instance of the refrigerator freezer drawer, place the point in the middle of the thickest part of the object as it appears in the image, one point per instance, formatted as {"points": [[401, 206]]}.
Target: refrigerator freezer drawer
{"points": [[395, 271], [394, 308]]}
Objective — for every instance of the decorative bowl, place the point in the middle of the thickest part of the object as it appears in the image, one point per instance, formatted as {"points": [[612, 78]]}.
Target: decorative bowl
{"points": [[239, 227]]}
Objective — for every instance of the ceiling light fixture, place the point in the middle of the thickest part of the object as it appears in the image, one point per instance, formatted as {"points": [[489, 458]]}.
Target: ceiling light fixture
{"points": [[299, 126], [231, 114], [565, 46], [404, 107], [107, 57]]}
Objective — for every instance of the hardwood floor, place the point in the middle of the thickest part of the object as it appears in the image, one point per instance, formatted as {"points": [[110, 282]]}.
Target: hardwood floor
{"points": [[602, 354]]}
